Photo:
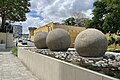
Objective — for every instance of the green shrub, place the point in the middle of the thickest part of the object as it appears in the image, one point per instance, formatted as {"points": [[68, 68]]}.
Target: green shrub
{"points": [[111, 40], [14, 51], [118, 40]]}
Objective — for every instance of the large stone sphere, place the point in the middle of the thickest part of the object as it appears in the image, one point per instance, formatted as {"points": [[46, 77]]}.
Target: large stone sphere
{"points": [[58, 40], [91, 43], [40, 40]]}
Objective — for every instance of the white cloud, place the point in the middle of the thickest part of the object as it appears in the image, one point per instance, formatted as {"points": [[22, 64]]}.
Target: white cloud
{"points": [[88, 13], [56, 11], [31, 21], [61, 9]]}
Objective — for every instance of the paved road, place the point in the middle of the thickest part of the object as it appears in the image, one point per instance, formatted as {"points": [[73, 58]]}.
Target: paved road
{"points": [[29, 44], [11, 68]]}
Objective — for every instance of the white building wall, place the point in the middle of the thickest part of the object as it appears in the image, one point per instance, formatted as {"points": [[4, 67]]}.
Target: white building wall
{"points": [[9, 39]]}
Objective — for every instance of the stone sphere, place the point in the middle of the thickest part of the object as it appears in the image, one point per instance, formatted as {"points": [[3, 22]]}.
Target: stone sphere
{"points": [[58, 40], [40, 40], [91, 43]]}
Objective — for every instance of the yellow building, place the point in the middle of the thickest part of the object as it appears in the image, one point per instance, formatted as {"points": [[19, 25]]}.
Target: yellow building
{"points": [[31, 33], [73, 30]]}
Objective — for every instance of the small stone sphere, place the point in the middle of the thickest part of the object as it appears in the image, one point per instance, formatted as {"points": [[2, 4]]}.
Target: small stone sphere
{"points": [[91, 43], [58, 40], [40, 40]]}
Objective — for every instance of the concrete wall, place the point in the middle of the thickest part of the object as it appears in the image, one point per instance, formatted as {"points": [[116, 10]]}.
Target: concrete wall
{"points": [[48, 68], [2, 46], [9, 39]]}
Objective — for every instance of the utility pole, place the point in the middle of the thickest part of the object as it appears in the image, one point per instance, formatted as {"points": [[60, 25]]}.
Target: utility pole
{"points": [[6, 35]]}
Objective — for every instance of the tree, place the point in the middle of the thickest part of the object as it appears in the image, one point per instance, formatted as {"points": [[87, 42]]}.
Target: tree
{"points": [[106, 16], [69, 21], [75, 21], [78, 17], [13, 10], [81, 22]]}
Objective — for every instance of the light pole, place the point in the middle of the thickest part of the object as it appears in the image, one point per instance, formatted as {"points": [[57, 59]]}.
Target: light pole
{"points": [[6, 36]]}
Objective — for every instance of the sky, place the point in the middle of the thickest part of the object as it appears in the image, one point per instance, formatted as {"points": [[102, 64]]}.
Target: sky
{"points": [[45, 11]]}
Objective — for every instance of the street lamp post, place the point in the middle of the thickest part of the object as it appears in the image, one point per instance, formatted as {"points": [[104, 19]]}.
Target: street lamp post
{"points": [[6, 25]]}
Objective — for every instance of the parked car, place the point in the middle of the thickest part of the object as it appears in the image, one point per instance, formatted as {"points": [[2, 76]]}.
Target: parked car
{"points": [[20, 40], [24, 42]]}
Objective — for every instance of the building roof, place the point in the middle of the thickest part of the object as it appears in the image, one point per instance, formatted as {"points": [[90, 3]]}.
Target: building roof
{"points": [[45, 25], [32, 28], [61, 25]]}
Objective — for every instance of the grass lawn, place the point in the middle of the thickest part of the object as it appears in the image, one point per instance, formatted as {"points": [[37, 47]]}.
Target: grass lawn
{"points": [[113, 49], [14, 51]]}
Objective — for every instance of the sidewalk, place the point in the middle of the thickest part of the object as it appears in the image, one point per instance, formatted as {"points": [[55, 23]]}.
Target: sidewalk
{"points": [[11, 68]]}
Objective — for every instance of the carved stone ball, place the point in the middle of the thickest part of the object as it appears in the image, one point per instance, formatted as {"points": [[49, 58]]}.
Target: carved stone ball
{"points": [[40, 40], [58, 40], [91, 43]]}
